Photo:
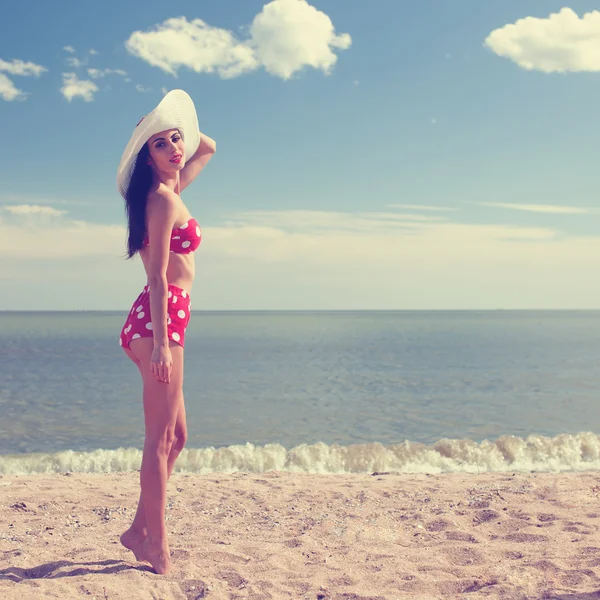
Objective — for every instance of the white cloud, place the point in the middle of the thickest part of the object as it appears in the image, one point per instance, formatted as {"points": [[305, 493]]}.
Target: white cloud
{"points": [[559, 43], [69, 49], [74, 87], [75, 62], [32, 209], [538, 208], [288, 35], [99, 73], [140, 88], [285, 37], [93, 52], [164, 91], [192, 44], [19, 67], [57, 236], [318, 221], [8, 91]]}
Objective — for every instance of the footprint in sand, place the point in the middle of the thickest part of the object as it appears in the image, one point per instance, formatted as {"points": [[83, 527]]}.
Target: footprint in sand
{"points": [[461, 536], [578, 577], [343, 580], [464, 556], [578, 527], [525, 538], [293, 543], [464, 586], [235, 580], [547, 566], [179, 554], [483, 516], [546, 519], [438, 525], [194, 589]]}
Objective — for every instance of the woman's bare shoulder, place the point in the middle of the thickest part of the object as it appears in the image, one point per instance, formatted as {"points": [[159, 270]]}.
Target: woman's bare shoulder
{"points": [[163, 201]]}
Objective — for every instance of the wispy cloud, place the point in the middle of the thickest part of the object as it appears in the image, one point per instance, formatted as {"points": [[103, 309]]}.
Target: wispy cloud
{"points": [[319, 222], [20, 67], [57, 235], [284, 38], [421, 207], [32, 209], [537, 208], [8, 90], [73, 87], [7, 201], [559, 43], [69, 49], [75, 62], [99, 73]]}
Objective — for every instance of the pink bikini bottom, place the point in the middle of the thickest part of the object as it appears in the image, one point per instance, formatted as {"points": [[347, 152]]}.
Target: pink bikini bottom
{"points": [[139, 321]]}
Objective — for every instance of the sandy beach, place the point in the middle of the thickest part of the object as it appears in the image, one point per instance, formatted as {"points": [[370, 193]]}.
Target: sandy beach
{"points": [[321, 537]]}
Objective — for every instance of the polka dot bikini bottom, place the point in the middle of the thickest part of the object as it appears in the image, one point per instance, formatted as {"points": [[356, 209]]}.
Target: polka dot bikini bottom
{"points": [[139, 321]]}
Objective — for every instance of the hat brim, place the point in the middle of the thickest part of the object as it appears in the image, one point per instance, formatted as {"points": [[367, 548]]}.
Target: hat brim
{"points": [[175, 111]]}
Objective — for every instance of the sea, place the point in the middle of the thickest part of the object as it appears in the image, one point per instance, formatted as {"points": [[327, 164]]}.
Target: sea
{"points": [[312, 392]]}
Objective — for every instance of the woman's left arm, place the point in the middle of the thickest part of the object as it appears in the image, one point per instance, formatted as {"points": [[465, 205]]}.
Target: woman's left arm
{"points": [[198, 161]]}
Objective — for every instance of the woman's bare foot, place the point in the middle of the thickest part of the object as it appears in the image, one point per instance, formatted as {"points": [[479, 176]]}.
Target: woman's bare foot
{"points": [[158, 556], [133, 539]]}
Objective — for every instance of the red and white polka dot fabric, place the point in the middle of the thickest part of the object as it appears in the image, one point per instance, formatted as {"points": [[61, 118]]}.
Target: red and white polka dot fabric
{"points": [[139, 321], [184, 239]]}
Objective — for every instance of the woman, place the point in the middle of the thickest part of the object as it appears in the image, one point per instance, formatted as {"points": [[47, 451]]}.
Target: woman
{"points": [[164, 155]]}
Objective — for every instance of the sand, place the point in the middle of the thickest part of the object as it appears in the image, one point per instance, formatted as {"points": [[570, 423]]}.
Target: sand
{"points": [[301, 536]]}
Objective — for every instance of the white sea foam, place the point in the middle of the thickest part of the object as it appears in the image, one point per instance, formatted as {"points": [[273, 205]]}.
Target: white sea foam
{"points": [[564, 452]]}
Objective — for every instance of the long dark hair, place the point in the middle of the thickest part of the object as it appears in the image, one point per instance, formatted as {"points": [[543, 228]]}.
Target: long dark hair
{"points": [[136, 199]]}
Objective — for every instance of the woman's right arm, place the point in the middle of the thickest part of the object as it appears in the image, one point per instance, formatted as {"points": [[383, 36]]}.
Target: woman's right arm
{"points": [[161, 218]]}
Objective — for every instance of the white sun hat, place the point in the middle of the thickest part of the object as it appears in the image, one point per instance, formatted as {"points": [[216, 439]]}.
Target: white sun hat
{"points": [[175, 111]]}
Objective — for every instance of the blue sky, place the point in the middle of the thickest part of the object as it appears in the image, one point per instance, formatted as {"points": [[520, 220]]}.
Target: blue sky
{"points": [[371, 155]]}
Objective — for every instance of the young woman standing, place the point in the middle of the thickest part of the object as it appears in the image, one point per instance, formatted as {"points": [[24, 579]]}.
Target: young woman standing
{"points": [[164, 155]]}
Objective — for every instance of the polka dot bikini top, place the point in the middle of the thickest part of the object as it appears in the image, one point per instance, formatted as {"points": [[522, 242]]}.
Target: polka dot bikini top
{"points": [[185, 239]]}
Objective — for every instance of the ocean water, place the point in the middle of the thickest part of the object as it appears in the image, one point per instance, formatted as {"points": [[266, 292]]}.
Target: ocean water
{"points": [[320, 392]]}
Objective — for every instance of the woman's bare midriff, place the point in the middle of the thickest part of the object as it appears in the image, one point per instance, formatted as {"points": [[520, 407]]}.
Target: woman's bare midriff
{"points": [[180, 270]]}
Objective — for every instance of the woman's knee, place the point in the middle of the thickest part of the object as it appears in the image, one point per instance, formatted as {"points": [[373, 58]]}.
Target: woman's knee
{"points": [[160, 441], [180, 441]]}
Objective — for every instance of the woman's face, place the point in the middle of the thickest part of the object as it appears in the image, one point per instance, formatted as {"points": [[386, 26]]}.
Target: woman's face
{"points": [[167, 150]]}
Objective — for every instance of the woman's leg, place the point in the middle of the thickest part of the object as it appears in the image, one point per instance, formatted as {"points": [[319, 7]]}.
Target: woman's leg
{"points": [[162, 405], [135, 535], [138, 527]]}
